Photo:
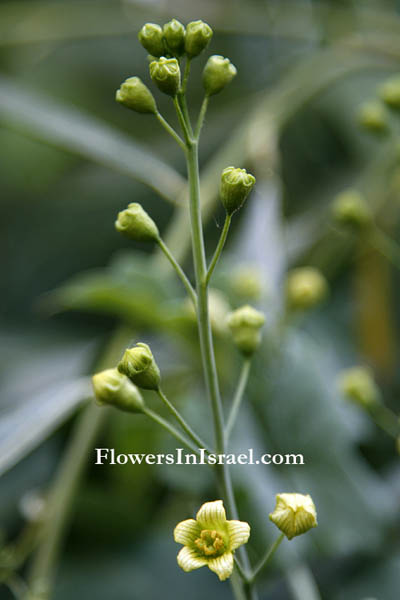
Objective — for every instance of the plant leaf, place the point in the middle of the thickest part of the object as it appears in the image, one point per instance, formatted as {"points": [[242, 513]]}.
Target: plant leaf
{"points": [[71, 129]]}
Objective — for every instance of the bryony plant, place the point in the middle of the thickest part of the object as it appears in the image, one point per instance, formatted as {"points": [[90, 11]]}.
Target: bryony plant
{"points": [[211, 539]]}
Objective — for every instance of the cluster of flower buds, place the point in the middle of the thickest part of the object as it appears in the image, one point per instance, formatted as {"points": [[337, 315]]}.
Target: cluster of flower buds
{"points": [[166, 46], [174, 40], [350, 210], [245, 324], [119, 387], [305, 288], [358, 386]]}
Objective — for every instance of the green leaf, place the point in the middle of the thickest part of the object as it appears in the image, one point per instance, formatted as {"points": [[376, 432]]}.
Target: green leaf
{"points": [[71, 129]]}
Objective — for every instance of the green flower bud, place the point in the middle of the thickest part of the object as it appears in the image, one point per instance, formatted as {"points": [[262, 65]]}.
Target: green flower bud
{"points": [[294, 514], [136, 224], [390, 92], [198, 36], [245, 324], [166, 74], [246, 282], [113, 388], [174, 36], [372, 116], [134, 94], [350, 209], [139, 365], [358, 385], [152, 39], [305, 287], [218, 72], [236, 185]]}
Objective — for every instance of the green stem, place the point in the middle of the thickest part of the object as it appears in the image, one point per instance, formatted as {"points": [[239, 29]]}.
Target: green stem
{"points": [[75, 459], [219, 248], [171, 429], [386, 419], [180, 272], [185, 426], [244, 376], [183, 123], [171, 131], [202, 114], [205, 335], [59, 506], [182, 96], [386, 246], [268, 556]]}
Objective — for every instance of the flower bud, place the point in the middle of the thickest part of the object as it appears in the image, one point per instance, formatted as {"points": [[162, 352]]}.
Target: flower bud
{"points": [[372, 116], [305, 287], [139, 365], [236, 185], [166, 74], [390, 92], [135, 223], [245, 324], [217, 73], [113, 388], [174, 36], [247, 282], [152, 39], [198, 35], [294, 514], [350, 209], [134, 94], [358, 385]]}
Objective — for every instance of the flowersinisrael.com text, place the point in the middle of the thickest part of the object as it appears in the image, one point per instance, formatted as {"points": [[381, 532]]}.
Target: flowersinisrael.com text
{"points": [[182, 457]]}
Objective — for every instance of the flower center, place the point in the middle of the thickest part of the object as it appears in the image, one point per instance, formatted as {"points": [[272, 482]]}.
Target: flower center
{"points": [[210, 543]]}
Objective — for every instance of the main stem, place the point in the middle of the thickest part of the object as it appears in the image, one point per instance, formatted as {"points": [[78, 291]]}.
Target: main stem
{"points": [[205, 335]]}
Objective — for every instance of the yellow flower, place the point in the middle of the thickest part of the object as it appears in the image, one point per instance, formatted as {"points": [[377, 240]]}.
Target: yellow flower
{"points": [[294, 514], [210, 540]]}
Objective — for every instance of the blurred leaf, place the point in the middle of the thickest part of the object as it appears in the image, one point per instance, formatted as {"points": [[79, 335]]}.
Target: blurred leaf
{"points": [[42, 388], [71, 129], [127, 289]]}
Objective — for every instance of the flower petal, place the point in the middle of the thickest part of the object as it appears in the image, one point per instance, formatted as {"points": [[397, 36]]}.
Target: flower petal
{"points": [[186, 532], [188, 559], [222, 566], [239, 533], [212, 515]]}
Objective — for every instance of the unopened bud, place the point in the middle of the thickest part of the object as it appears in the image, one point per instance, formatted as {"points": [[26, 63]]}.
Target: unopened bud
{"points": [[134, 94], [390, 92], [135, 223], [350, 209], [113, 388], [305, 287], [245, 324], [198, 35], [236, 185], [247, 282], [358, 385], [152, 39], [139, 365], [218, 72], [166, 74], [294, 514], [372, 116], [174, 36]]}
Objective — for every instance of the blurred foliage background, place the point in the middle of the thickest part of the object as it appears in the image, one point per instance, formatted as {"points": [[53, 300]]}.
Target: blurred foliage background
{"points": [[74, 293]]}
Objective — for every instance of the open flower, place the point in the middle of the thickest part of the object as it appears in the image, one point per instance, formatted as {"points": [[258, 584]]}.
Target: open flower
{"points": [[210, 540]]}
